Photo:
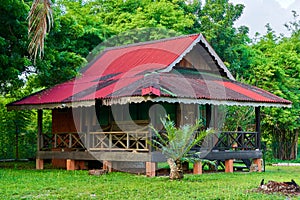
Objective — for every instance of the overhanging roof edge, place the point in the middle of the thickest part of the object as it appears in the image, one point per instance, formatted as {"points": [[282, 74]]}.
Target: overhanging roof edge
{"points": [[140, 99], [124, 100], [51, 105]]}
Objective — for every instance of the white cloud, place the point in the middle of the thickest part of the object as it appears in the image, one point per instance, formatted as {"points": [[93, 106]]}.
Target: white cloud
{"points": [[258, 13], [285, 3]]}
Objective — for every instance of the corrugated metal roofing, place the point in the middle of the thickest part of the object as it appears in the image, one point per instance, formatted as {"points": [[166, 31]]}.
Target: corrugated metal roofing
{"points": [[147, 69]]}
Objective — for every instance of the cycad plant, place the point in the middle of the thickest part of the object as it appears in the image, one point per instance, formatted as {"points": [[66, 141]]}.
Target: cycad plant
{"points": [[175, 143]]}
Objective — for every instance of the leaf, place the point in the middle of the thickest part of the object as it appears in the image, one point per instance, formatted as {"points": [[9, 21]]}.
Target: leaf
{"points": [[176, 142], [40, 21]]}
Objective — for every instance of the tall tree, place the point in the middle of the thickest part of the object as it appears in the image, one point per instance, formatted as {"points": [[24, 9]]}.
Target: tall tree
{"points": [[13, 44], [276, 68], [216, 20]]}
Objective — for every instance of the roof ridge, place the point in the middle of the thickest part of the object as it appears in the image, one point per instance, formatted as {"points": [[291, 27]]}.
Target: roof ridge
{"points": [[149, 42], [107, 49]]}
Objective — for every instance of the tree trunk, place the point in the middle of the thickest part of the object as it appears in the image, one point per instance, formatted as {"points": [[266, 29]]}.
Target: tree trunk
{"points": [[176, 172], [284, 144]]}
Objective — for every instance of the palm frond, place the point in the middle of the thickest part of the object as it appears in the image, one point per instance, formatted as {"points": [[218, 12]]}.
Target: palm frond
{"points": [[40, 21], [177, 142]]}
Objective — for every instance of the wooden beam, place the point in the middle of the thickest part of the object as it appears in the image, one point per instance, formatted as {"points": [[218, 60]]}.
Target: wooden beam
{"points": [[157, 156], [101, 155], [257, 126], [225, 155]]}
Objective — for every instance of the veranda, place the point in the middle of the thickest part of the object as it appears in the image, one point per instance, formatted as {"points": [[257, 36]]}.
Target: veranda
{"points": [[120, 133]]}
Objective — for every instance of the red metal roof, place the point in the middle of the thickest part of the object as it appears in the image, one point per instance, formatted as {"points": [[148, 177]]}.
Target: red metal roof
{"points": [[196, 86], [136, 70]]}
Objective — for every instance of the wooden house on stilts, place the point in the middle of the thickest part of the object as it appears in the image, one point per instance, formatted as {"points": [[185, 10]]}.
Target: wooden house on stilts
{"points": [[103, 114]]}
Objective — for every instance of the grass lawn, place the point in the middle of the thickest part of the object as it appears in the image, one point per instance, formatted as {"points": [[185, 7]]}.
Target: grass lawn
{"points": [[61, 184]]}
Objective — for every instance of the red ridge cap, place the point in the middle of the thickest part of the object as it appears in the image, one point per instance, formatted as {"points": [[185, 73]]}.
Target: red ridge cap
{"points": [[150, 90]]}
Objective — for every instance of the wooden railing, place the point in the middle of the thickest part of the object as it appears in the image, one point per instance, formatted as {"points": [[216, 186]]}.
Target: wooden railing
{"points": [[45, 141], [238, 140], [69, 140], [75, 141], [120, 141], [111, 141], [137, 141]]}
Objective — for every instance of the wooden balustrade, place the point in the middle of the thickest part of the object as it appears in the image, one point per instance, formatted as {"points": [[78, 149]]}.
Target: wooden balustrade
{"points": [[238, 140], [69, 140], [129, 141], [45, 141], [137, 141]]}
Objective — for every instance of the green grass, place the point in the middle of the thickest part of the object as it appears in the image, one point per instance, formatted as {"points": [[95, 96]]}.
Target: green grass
{"points": [[28, 183]]}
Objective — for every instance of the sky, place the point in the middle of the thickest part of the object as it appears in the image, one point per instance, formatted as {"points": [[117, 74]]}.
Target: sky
{"points": [[257, 13]]}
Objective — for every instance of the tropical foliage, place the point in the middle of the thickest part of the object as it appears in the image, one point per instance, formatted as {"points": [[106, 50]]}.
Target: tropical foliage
{"points": [[40, 20], [176, 142], [77, 27], [277, 69]]}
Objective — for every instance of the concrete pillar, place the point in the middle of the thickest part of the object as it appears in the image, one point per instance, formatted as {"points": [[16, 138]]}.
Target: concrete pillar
{"points": [[39, 163], [197, 169], [107, 165], [229, 165], [151, 169], [257, 161], [70, 164]]}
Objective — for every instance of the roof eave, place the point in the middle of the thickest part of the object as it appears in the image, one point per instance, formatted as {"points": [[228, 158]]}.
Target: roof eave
{"points": [[138, 99], [76, 104]]}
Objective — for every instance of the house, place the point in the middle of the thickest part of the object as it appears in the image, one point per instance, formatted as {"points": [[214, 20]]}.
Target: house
{"points": [[104, 113]]}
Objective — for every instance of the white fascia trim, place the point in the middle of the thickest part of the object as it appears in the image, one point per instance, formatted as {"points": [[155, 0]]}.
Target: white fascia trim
{"points": [[125, 100], [180, 57]]}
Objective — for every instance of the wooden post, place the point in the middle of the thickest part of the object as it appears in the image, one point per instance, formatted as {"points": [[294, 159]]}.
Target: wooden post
{"points": [[215, 117], [229, 165], [88, 128], [39, 163], [257, 161], [197, 169], [257, 126], [208, 115], [70, 164], [150, 169], [40, 129], [107, 165]]}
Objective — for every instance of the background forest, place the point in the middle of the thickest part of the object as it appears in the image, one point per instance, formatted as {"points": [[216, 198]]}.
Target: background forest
{"points": [[269, 61]]}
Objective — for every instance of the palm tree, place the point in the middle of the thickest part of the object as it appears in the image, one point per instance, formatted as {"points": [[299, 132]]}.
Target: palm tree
{"points": [[176, 143], [40, 21]]}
